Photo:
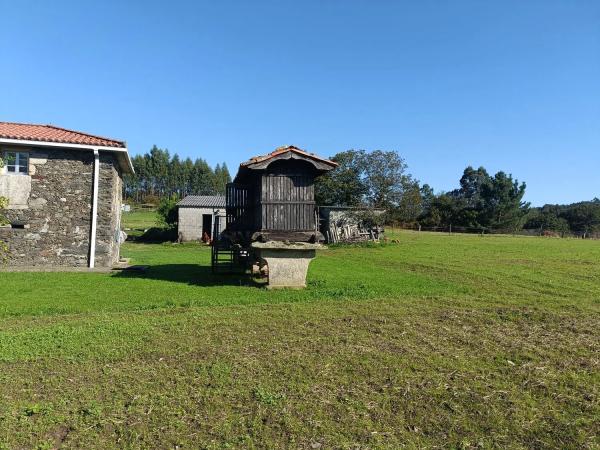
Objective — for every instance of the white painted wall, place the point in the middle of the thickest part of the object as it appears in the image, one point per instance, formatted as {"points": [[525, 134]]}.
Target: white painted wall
{"points": [[190, 221]]}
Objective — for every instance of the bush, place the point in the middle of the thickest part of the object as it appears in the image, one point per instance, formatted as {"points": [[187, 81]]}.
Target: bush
{"points": [[157, 234], [167, 211], [151, 199]]}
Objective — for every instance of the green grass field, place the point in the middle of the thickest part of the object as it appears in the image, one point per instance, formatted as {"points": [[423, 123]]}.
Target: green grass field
{"points": [[139, 219], [438, 341]]}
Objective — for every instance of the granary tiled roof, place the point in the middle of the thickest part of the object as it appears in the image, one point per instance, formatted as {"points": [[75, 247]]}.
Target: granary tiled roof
{"points": [[51, 133], [203, 201], [286, 148]]}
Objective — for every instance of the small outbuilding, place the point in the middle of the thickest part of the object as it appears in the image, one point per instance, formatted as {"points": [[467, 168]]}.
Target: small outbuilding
{"points": [[198, 214], [64, 192]]}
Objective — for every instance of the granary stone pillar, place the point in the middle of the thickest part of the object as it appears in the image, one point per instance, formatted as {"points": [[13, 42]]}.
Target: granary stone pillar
{"points": [[287, 262]]}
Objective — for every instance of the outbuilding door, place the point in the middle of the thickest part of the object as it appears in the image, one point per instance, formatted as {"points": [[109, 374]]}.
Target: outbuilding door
{"points": [[207, 224]]}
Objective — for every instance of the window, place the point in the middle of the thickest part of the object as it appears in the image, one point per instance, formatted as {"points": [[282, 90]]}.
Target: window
{"points": [[17, 163]]}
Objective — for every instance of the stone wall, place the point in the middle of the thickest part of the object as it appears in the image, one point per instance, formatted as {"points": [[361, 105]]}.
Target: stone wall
{"points": [[108, 226], [55, 210]]}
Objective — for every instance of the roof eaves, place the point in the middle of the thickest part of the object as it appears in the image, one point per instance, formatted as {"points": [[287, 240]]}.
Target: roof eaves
{"points": [[120, 143], [23, 135], [281, 150]]}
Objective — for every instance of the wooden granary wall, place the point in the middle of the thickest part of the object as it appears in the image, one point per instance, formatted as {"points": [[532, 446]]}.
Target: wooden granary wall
{"points": [[287, 197], [275, 194]]}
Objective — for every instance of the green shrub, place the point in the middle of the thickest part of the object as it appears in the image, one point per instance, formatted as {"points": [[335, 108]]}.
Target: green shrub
{"points": [[158, 234], [167, 211]]}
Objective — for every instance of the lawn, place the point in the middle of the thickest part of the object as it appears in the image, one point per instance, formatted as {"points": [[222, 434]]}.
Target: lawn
{"points": [[437, 341], [139, 219]]}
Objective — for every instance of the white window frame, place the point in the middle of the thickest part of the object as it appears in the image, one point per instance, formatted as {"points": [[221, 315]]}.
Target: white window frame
{"points": [[17, 164]]}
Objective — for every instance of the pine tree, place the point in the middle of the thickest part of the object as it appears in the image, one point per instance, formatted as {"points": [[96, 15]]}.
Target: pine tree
{"points": [[220, 179], [202, 178], [159, 175], [187, 170], [175, 180]]}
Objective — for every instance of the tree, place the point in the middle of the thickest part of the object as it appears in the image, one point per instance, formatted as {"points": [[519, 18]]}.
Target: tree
{"points": [[410, 206], [471, 184], [386, 179], [225, 175], [167, 211], [158, 175], [220, 179], [583, 217], [580, 218], [444, 210], [175, 182], [502, 203], [158, 165], [187, 169], [377, 180], [546, 219], [344, 185], [427, 196], [482, 201], [202, 179]]}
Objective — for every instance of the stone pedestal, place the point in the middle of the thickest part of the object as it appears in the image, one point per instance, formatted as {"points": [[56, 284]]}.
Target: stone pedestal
{"points": [[287, 263]]}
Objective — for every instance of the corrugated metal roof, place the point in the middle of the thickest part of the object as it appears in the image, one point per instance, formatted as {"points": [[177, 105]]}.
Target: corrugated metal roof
{"points": [[203, 201]]}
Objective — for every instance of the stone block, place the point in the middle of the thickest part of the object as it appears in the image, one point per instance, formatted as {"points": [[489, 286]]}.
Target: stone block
{"points": [[287, 263], [17, 189]]}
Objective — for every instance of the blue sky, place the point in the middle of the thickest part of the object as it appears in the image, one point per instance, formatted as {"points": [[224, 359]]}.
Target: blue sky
{"points": [[510, 85]]}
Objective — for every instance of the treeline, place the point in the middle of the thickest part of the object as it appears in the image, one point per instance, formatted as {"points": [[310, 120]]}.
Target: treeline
{"points": [[582, 218], [159, 175], [380, 180], [485, 202], [482, 202]]}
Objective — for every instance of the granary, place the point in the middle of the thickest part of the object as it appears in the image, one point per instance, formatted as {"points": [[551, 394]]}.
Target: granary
{"points": [[272, 197], [271, 215], [198, 215], [64, 190]]}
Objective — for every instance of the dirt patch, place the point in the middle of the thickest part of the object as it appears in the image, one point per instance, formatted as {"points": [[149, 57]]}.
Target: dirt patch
{"points": [[59, 436]]}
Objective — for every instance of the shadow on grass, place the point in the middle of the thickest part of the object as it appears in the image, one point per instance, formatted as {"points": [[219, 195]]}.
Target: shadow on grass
{"points": [[192, 274]]}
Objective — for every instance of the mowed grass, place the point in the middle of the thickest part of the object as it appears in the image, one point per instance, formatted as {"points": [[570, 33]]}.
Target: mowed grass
{"points": [[139, 219], [438, 341]]}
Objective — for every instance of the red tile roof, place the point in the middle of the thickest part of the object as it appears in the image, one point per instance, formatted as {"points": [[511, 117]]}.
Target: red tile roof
{"points": [[285, 149], [51, 133]]}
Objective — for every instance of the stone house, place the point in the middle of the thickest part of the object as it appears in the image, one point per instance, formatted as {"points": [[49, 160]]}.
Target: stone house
{"points": [[197, 215], [64, 190]]}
